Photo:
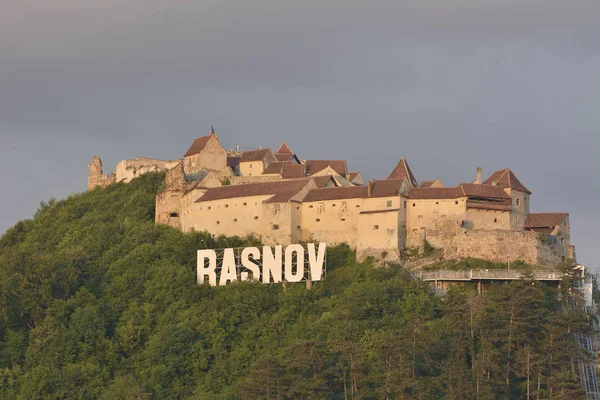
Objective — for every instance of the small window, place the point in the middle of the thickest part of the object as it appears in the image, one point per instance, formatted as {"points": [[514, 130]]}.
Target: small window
{"points": [[244, 203], [209, 207], [358, 205], [226, 205], [298, 227], [250, 165], [235, 220], [456, 202], [518, 201], [343, 219], [174, 215], [495, 220], [437, 202], [318, 220], [414, 205], [375, 227], [310, 206], [297, 208], [333, 205], [255, 217], [389, 203], [275, 227], [218, 222], [404, 203]]}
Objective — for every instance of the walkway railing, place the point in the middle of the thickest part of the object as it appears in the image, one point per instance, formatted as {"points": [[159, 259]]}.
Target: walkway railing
{"points": [[483, 274]]}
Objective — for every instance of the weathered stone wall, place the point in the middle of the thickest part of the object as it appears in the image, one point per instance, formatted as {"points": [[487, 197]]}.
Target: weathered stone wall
{"points": [[241, 180], [127, 170], [423, 215], [488, 219], [331, 221], [500, 245], [168, 208], [96, 176]]}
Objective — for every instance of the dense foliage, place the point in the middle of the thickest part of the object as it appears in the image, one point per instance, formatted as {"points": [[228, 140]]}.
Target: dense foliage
{"points": [[98, 302]]}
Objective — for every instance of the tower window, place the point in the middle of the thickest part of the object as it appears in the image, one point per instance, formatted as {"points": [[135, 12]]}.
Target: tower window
{"points": [[255, 217], [318, 220], [518, 201], [375, 227], [389, 203], [275, 227], [495, 219]]}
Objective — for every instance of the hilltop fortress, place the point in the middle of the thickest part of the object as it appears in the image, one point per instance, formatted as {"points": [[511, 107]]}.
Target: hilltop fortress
{"points": [[281, 199]]}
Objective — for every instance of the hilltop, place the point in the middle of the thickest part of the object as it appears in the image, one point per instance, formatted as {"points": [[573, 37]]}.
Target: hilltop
{"points": [[99, 302]]}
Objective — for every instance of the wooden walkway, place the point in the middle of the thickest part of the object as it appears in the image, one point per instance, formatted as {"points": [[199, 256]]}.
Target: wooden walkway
{"points": [[486, 275]]}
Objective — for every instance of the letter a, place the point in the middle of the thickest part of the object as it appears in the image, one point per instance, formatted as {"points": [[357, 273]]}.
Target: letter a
{"points": [[228, 270]]}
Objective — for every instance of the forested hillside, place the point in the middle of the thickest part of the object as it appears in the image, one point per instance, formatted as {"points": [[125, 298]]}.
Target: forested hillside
{"points": [[97, 302]]}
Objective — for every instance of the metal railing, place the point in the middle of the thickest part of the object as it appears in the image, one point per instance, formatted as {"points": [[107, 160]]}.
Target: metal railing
{"points": [[483, 274]]}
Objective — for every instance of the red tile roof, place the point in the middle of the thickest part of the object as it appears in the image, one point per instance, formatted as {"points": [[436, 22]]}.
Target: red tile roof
{"points": [[545, 220], [481, 190], [436, 193], [284, 149], [284, 157], [426, 184], [401, 171], [482, 205], [199, 145], [338, 193], [353, 175], [255, 155], [314, 166], [291, 170], [386, 188], [283, 189], [505, 178], [322, 181], [464, 190], [275, 168]]}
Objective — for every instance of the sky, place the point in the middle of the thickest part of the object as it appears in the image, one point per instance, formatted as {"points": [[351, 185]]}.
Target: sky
{"points": [[448, 84]]}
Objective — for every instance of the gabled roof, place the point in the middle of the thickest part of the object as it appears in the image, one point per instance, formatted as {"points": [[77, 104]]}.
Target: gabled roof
{"points": [[464, 190], [386, 188], [255, 155], [284, 149], [284, 157], [481, 190], [428, 184], [545, 220], [314, 166], [322, 181], [275, 168], [199, 145], [338, 193], [353, 175], [285, 190], [402, 170], [291, 170], [505, 178]]}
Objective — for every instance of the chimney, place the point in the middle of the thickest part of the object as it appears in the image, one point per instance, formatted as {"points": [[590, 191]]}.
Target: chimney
{"points": [[369, 188], [478, 180], [237, 148]]}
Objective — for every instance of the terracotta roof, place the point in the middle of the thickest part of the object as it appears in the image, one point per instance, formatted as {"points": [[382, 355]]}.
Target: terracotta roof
{"points": [[284, 157], [482, 205], [199, 145], [353, 175], [436, 193], [402, 170], [293, 170], [545, 220], [280, 188], [284, 149], [275, 168], [481, 190], [338, 193], [426, 184], [505, 178], [255, 155], [314, 166], [321, 181], [386, 188]]}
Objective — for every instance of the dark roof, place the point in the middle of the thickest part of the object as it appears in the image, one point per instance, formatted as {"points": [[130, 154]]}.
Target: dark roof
{"points": [[481, 190], [321, 181], [545, 220], [349, 192], [199, 145], [233, 161], [291, 170], [283, 189], [484, 205], [505, 178], [275, 168], [401, 171], [386, 188], [436, 193], [255, 155], [314, 166], [284, 149]]}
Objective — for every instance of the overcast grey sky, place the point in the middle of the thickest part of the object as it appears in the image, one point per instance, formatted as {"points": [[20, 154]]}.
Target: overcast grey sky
{"points": [[449, 84]]}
